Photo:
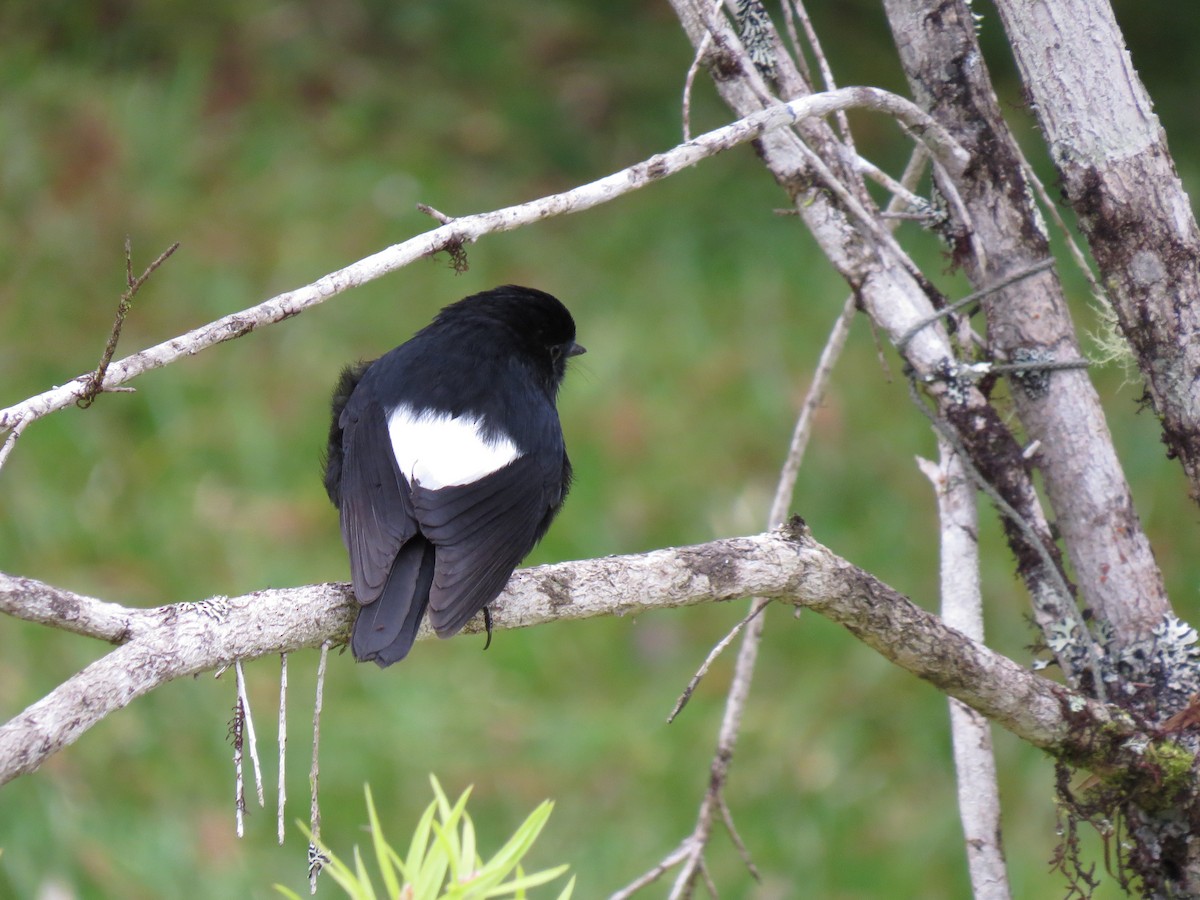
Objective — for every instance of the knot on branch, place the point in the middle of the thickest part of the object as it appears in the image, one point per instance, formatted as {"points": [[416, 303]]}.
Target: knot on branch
{"points": [[795, 529]]}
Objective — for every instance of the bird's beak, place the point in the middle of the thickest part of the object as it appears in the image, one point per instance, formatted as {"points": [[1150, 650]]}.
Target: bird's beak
{"points": [[576, 350]]}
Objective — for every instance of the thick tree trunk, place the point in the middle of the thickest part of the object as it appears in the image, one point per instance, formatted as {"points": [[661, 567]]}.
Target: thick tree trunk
{"points": [[1115, 568], [1117, 574], [1118, 176]]}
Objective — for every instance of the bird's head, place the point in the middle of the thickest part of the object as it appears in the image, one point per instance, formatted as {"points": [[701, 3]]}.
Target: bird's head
{"points": [[541, 327]]}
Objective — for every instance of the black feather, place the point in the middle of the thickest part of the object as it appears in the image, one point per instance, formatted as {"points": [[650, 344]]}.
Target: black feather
{"points": [[496, 361], [332, 463]]}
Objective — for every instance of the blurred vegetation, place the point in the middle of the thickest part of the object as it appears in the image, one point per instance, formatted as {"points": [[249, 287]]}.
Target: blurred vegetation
{"points": [[278, 141], [440, 861]]}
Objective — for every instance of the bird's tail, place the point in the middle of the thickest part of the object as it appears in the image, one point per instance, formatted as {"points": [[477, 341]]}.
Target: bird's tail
{"points": [[385, 629]]}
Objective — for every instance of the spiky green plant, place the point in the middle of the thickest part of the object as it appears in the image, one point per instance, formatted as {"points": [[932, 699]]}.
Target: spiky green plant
{"points": [[442, 861]]}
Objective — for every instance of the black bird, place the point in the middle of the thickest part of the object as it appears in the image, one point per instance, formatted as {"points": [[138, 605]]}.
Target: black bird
{"points": [[446, 461]]}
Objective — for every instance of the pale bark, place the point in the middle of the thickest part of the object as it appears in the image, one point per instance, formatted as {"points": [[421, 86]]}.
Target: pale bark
{"points": [[188, 638], [970, 732], [1114, 565], [1119, 177]]}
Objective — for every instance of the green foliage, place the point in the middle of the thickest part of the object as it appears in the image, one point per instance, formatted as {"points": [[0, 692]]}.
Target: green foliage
{"points": [[442, 862]]}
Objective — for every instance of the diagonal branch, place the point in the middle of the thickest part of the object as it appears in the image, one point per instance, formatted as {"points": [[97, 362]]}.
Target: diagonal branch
{"points": [[467, 229]]}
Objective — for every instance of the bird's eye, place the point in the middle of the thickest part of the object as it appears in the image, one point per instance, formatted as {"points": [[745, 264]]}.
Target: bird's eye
{"points": [[556, 353]]}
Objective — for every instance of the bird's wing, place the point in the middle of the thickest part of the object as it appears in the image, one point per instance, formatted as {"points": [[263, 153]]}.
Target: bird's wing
{"points": [[376, 512], [482, 531]]}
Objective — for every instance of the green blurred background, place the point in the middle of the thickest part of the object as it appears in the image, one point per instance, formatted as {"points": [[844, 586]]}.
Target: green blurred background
{"points": [[278, 141]]}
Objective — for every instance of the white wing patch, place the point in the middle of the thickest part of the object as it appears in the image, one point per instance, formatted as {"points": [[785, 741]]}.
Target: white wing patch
{"points": [[440, 451]]}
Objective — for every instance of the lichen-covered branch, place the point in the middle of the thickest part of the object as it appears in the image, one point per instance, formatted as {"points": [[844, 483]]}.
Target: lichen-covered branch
{"points": [[1118, 175], [187, 638], [1117, 575]]}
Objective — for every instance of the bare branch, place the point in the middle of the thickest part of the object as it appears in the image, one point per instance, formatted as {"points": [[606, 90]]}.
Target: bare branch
{"points": [[1118, 175], [132, 285], [316, 859], [962, 608], [467, 229], [281, 795], [187, 638]]}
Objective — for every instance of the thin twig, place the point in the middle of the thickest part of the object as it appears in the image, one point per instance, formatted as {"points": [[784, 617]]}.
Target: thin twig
{"points": [[239, 783], [825, 69], [731, 725], [132, 286], [690, 80], [1006, 281], [1049, 365], [822, 377], [716, 651], [962, 608], [434, 214], [727, 818], [665, 865], [897, 189], [281, 796], [813, 398], [14, 435], [316, 859], [252, 741], [789, 19], [708, 880]]}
